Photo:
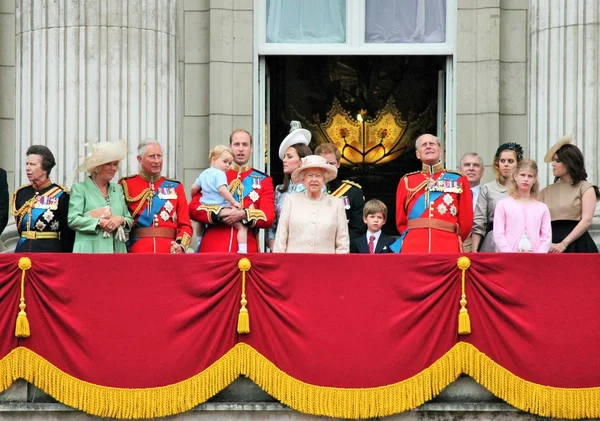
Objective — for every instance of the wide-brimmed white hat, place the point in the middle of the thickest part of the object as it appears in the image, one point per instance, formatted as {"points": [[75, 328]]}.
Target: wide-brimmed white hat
{"points": [[104, 152], [559, 144], [297, 135], [314, 161]]}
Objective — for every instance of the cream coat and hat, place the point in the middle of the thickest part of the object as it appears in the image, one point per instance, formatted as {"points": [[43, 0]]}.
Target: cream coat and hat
{"points": [[297, 135], [314, 161], [102, 153]]}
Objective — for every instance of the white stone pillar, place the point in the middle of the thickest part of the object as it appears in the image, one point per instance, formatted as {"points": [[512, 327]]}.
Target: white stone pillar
{"points": [[564, 75], [564, 83], [95, 70]]}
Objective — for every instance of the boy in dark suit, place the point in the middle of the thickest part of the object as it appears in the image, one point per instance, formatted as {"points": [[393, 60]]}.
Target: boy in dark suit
{"points": [[374, 241]]}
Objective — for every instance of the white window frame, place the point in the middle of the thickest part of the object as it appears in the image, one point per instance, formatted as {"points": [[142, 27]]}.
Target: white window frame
{"points": [[355, 37], [355, 45]]}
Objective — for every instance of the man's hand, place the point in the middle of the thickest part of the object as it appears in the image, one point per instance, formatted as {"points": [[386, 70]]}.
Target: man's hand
{"points": [[230, 216], [176, 248]]}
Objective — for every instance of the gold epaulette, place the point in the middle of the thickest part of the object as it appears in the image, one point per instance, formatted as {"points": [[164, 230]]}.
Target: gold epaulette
{"points": [[411, 173], [65, 189], [260, 172], [173, 180], [455, 172], [127, 177], [352, 183]]}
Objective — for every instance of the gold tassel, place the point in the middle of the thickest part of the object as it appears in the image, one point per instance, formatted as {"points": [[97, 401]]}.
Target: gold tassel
{"points": [[464, 321], [243, 325], [22, 328]]}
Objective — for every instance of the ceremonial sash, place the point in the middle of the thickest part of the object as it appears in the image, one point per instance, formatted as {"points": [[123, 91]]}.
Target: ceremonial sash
{"points": [[420, 207], [146, 219], [36, 213], [248, 184]]}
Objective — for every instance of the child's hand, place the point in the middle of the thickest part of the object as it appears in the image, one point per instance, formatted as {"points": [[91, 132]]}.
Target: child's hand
{"points": [[237, 206]]}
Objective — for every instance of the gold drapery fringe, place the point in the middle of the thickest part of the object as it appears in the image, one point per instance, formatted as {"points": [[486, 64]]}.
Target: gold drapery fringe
{"points": [[303, 397], [349, 402], [115, 402], [546, 401]]}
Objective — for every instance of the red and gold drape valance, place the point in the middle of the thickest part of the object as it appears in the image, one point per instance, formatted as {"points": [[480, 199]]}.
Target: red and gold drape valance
{"points": [[357, 336]]}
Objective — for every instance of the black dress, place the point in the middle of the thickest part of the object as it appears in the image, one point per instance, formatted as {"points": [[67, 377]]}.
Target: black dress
{"points": [[41, 217], [564, 203], [584, 244]]}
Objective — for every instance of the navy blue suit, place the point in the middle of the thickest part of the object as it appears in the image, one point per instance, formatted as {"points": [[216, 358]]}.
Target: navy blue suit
{"points": [[361, 245]]}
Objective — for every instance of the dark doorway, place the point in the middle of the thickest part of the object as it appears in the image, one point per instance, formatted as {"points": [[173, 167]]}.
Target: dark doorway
{"points": [[372, 107]]}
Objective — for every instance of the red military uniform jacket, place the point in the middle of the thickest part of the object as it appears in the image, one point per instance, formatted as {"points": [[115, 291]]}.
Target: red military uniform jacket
{"points": [[434, 211], [254, 190], [160, 214]]}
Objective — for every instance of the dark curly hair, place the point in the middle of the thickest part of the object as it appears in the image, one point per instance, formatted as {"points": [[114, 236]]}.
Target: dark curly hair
{"points": [[48, 161]]}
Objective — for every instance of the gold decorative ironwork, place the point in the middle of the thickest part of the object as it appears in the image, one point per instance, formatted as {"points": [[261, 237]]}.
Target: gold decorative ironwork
{"points": [[364, 141]]}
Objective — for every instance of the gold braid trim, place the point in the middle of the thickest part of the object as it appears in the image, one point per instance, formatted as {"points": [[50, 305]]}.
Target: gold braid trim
{"points": [[371, 402], [24, 209], [142, 197], [186, 239], [412, 192], [236, 186], [341, 190]]}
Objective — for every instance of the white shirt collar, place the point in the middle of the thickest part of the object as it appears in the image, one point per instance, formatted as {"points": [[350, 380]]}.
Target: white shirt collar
{"points": [[475, 190], [376, 234]]}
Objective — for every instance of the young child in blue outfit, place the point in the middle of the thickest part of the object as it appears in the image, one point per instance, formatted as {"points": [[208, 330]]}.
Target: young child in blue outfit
{"points": [[215, 192]]}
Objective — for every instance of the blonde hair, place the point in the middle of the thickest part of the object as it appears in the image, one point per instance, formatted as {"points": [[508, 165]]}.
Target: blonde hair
{"points": [[217, 151], [373, 206], [524, 164]]}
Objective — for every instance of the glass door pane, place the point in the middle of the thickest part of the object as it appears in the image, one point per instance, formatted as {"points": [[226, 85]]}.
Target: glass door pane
{"points": [[306, 21], [405, 21]]}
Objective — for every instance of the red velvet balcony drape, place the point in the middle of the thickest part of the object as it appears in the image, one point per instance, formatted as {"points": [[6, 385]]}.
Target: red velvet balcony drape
{"points": [[345, 336]]}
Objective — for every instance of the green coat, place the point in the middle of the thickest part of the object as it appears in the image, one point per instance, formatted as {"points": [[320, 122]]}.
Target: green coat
{"points": [[85, 197]]}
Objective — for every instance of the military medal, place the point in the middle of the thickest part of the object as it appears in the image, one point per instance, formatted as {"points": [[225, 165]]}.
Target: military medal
{"points": [[256, 182], [346, 202]]}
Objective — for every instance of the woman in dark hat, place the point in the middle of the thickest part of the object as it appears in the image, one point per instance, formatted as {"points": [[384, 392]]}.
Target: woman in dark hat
{"points": [[571, 199], [41, 207], [505, 161]]}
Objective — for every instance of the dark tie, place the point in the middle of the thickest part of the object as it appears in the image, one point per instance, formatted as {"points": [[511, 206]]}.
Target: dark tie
{"points": [[372, 244]]}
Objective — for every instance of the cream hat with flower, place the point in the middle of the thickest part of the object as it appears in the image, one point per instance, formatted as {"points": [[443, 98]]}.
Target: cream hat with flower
{"points": [[102, 153], [314, 161], [297, 135]]}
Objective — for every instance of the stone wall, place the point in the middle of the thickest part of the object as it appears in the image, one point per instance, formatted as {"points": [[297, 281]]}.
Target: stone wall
{"points": [[217, 52], [491, 75], [7, 88]]}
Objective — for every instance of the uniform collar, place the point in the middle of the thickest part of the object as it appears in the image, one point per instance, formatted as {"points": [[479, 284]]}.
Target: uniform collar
{"points": [[334, 184], [433, 169], [43, 185], [239, 168], [150, 178]]}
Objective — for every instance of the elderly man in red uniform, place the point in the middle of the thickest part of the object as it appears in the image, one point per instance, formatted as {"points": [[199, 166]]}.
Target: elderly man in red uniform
{"points": [[252, 188], [434, 206], [157, 204]]}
